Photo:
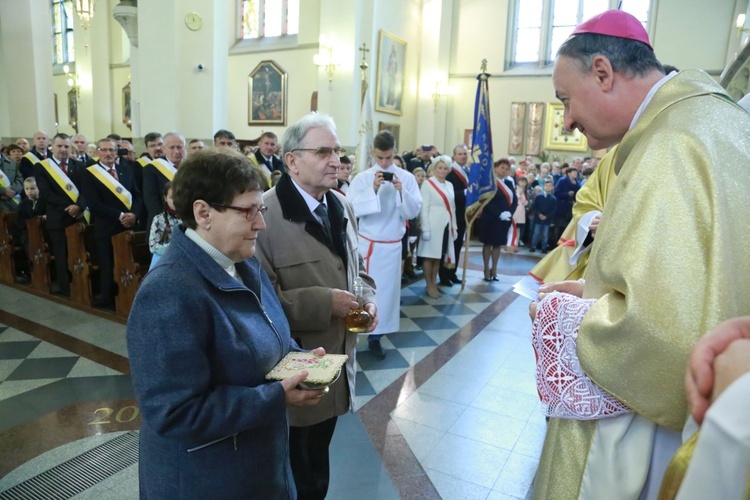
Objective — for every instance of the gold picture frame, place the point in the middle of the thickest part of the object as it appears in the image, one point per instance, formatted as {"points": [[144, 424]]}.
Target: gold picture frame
{"points": [[555, 135], [127, 115], [391, 78], [515, 135], [534, 126], [393, 128], [267, 94], [73, 109]]}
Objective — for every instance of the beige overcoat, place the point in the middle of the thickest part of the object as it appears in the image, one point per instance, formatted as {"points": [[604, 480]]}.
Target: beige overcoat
{"points": [[304, 265]]}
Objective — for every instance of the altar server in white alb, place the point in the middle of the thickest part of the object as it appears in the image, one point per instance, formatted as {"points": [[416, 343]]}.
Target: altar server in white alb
{"points": [[384, 198]]}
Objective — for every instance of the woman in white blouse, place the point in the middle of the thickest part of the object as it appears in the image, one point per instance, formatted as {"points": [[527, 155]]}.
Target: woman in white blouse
{"points": [[438, 221]]}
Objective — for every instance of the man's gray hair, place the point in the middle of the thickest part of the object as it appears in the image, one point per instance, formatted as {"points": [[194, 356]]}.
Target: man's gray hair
{"points": [[295, 134], [174, 134], [629, 57], [460, 146]]}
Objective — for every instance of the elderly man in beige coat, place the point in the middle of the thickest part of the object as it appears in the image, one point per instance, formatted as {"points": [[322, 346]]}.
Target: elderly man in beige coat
{"points": [[310, 252]]}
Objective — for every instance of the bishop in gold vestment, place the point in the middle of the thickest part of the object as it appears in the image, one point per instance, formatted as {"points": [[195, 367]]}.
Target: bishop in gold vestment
{"points": [[668, 263]]}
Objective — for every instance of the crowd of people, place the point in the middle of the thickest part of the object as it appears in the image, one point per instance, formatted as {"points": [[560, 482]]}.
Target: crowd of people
{"points": [[227, 289]]}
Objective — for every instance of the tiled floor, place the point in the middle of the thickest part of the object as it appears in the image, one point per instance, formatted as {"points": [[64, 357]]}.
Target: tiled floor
{"points": [[451, 412]]}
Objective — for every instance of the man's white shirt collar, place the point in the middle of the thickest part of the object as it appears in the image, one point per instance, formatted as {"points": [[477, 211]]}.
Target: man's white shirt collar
{"points": [[650, 96], [312, 203]]}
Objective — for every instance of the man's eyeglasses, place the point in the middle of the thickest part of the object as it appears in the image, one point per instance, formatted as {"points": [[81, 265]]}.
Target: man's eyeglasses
{"points": [[106, 150], [323, 152], [250, 213]]}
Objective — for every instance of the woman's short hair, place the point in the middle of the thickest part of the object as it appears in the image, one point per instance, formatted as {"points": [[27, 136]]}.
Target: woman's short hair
{"points": [[439, 159], [214, 175]]}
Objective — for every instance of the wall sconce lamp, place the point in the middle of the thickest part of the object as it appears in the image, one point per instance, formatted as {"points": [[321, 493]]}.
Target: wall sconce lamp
{"points": [[441, 90], [85, 11], [72, 80], [324, 59], [740, 24]]}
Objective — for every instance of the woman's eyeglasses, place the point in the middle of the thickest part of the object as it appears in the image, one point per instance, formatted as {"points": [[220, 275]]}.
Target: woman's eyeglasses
{"points": [[250, 213]]}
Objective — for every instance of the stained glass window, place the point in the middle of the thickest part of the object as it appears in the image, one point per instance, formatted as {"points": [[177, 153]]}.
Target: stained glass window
{"points": [[269, 18], [541, 26], [62, 32]]}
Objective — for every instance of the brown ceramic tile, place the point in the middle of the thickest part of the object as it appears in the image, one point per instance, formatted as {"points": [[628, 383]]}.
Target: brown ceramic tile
{"points": [[74, 422], [67, 342]]}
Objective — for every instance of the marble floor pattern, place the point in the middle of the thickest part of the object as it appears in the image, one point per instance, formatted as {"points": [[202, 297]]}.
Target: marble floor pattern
{"points": [[451, 412]]}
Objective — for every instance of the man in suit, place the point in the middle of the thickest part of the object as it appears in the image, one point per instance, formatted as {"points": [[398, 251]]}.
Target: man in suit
{"points": [[159, 172], [422, 158], [11, 183], [37, 153], [59, 180], [23, 143], [265, 157], [115, 204], [313, 279], [225, 139], [79, 154], [459, 177]]}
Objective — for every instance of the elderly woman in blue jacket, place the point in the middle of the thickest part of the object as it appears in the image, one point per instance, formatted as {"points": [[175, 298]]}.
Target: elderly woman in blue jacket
{"points": [[205, 328]]}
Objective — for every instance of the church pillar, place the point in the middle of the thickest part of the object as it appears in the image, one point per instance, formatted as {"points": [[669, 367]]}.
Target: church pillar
{"points": [[27, 67], [179, 74], [434, 64], [92, 70]]}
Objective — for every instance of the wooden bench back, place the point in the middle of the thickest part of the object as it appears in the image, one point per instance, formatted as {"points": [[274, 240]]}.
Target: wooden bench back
{"points": [[132, 260], [40, 254], [82, 261]]}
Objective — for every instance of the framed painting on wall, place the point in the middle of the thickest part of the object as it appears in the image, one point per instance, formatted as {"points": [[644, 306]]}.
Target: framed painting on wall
{"points": [[468, 138], [517, 121], [127, 115], [393, 128], [534, 128], [555, 135], [73, 109], [389, 89], [267, 95]]}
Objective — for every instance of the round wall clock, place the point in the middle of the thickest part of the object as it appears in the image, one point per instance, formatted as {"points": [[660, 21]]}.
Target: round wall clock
{"points": [[193, 21]]}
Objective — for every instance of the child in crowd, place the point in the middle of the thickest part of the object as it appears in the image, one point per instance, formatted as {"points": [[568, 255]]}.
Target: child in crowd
{"points": [[419, 175], [29, 208], [414, 229], [544, 210], [161, 227], [520, 214]]}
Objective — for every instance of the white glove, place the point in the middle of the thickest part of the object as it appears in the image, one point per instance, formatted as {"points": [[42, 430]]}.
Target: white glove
{"points": [[412, 239], [505, 216], [426, 235]]}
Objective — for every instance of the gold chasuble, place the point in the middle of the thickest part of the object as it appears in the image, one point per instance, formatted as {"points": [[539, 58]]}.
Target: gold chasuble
{"points": [[669, 262], [592, 196]]}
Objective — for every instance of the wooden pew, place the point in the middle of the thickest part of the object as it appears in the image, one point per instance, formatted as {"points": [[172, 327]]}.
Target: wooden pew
{"points": [[10, 250], [132, 260], [82, 261], [39, 254]]}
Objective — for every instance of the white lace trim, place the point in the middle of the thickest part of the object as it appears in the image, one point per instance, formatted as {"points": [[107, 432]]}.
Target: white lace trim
{"points": [[564, 389]]}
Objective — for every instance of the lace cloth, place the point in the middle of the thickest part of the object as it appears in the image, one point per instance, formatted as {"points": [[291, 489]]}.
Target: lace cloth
{"points": [[564, 389]]}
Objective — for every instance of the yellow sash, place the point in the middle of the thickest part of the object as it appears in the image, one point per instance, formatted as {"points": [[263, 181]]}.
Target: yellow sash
{"points": [[167, 169], [113, 185], [143, 161], [32, 158], [61, 179], [5, 183]]}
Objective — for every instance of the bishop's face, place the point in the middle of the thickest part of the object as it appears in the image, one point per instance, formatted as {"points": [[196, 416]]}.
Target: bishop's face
{"points": [[588, 107]]}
